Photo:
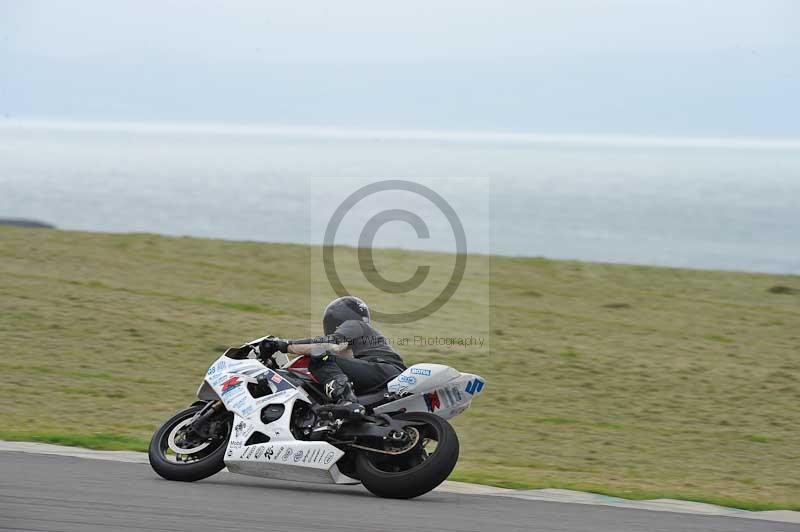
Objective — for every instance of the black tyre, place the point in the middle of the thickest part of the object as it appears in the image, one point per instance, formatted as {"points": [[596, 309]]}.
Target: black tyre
{"points": [[416, 471], [177, 455]]}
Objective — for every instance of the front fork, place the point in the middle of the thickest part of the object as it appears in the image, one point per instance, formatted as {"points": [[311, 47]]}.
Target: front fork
{"points": [[200, 424]]}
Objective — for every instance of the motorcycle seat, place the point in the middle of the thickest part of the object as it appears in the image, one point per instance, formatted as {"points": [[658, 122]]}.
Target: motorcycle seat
{"points": [[373, 398], [374, 395]]}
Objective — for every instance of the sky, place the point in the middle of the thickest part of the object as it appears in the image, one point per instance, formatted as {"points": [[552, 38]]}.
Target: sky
{"points": [[592, 67]]}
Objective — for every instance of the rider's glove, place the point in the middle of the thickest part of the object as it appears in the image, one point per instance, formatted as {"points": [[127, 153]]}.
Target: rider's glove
{"points": [[270, 346]]}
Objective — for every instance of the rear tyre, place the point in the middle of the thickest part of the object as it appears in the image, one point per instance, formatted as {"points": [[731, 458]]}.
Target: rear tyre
{"points": [[417, 471], [177, 455]]}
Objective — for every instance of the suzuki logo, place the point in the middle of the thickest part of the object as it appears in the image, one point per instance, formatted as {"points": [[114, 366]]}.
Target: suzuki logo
{"points": [[474, 386]]}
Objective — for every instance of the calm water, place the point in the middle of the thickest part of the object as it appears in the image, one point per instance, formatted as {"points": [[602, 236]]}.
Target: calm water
{"points": [[715, 205]]}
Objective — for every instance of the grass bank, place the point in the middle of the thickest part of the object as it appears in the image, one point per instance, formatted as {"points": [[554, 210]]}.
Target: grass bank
{"points": [[625, 380]]}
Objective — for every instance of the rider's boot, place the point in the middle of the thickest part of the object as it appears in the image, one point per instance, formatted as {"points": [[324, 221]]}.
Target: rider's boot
{"points": [[345, 404]]}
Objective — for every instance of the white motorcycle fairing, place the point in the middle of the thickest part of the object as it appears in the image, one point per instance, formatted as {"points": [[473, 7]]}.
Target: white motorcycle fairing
{"points": [[433, 388], [283, 457]]}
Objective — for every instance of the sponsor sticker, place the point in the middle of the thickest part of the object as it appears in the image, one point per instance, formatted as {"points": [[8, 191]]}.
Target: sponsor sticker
{"points": [[268, 453], [407, 379], [451, 396], [287, 454], [277, 379], [239, 403], [474, 386], [231, 384], [457, 393], [218, 379], [432, 401], [421, 371], [329, 458], [298, 456], [219, 366], [259, 452], [446, 397]]}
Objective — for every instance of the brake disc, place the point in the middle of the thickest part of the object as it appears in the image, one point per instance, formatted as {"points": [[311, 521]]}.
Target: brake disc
{"points": [[176, 447]]}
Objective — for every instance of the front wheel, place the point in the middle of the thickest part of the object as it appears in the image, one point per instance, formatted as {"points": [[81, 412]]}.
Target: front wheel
{"points": [[177, 453], [429, 461]]}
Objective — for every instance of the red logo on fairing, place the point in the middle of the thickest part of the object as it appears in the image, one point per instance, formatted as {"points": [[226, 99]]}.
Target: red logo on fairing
{"points": [[432, 401], [231, 384]]}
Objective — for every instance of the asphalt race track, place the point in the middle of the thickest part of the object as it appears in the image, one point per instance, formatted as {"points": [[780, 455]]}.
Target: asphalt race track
{"points": [[61, 493]]}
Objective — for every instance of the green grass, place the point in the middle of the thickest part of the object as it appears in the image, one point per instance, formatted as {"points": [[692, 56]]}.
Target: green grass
{"points": [[630, 381], [112, 442], [631, 494]]}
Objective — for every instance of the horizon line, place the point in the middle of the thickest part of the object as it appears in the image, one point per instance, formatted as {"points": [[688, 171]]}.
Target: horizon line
{"points": [[371, 133]]}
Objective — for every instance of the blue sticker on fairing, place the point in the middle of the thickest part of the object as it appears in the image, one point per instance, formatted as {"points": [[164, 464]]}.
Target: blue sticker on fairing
{"points": [[474, 386], [407, 379]]}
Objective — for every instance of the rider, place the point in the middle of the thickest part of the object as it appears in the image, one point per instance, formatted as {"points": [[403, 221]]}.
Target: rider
{"points": [[351, 355]]}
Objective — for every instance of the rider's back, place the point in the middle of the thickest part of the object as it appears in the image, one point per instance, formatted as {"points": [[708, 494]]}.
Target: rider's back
{"points": [[367, 343]]}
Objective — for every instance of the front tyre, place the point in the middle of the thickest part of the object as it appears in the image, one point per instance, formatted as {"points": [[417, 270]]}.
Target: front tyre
{"points": [[177, 454], [419, 470]]}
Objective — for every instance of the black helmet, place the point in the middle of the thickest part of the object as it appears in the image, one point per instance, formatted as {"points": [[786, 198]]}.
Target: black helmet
{"points": [[341, 310]]}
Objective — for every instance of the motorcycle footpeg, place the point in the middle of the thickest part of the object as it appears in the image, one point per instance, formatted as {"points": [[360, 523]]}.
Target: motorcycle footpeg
{"points": [[325, 428], [345, 411]]}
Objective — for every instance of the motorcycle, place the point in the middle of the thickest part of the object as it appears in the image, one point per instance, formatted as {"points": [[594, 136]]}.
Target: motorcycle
{"points": [[269, 417]]}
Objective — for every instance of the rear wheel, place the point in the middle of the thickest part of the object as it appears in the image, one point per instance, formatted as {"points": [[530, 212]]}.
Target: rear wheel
{"points": [[178, 453], [431, 456]]}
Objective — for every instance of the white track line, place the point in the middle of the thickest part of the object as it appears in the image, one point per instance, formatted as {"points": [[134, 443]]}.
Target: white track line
{"points": [[552, 495]]}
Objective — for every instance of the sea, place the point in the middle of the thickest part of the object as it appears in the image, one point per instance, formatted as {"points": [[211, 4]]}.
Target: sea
{"points": [[724, 204]]}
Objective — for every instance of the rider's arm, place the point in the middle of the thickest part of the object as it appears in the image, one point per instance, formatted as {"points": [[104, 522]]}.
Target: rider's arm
{"points": [[338, 342], [306, 345]]}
